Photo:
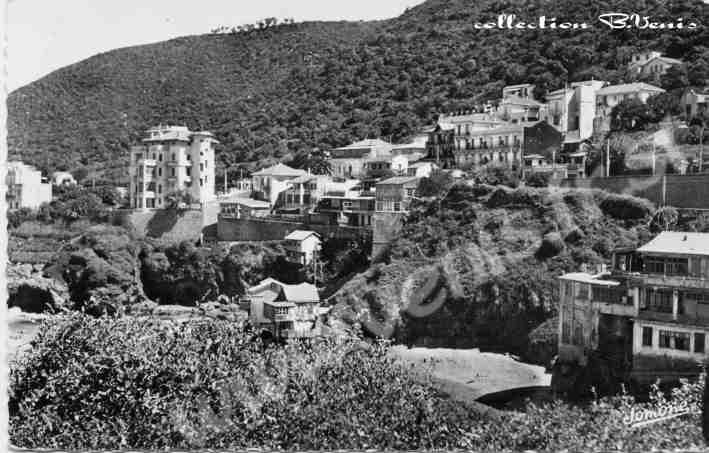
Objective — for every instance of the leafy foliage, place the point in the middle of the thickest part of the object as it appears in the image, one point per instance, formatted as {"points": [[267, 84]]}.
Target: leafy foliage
{"points": [[137, 383]]}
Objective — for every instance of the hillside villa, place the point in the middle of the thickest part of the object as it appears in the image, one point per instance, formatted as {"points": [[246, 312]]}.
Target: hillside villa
{"points": [[652, 63], [649, 316], [26, 187], [612, 95], [171, 158], [60, 178], [282, 310], [349, 161], [302, 246], [694, 103], [269, 183]]}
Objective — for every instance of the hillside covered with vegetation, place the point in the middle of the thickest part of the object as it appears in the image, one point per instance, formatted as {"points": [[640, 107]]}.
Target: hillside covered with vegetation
{"points": [[279, 92], [478, 266]]}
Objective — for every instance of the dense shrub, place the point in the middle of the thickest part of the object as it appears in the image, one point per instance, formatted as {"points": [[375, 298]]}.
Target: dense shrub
{"points": [[626, 207], [149, 384], [496, 176], [552, 244], [664, 219], [16, 217], [142, 383], [538, 179], [434, 185]]}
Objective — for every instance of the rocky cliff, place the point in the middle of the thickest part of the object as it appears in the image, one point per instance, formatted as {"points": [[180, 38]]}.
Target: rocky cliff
{"points": [[478, 267]]}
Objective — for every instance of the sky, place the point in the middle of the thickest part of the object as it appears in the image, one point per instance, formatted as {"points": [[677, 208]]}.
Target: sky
{"points": [[45, 35]]}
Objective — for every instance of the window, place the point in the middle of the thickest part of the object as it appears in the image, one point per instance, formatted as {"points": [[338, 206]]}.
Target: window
{"points": [[647, 336], [201, 167], [159, 171], [189, 157], [676, 266], [159, 188], [578, 334], [201, 182], [659, 300], [699, 342], [582, 291], [566, 332], [674, 340], [700, 298], [603, 294], [188, 171], [160, 157], [397, 206], [410, 192]]}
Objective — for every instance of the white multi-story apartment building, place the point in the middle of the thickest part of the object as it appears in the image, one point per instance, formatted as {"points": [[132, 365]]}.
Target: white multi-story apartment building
{"points": [[26, 188], [572, 109], [171, 159]]}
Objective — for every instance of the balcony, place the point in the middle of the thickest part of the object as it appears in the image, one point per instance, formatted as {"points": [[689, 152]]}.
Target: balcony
{"points": [[674, 281], [147, 162]]}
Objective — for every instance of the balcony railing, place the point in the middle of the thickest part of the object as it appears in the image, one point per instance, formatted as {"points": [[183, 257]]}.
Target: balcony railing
{"points": [[676, 281]]}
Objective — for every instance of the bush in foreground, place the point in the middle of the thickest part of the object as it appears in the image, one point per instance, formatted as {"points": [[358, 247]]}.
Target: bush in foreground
{"points": [[141, 383], [136, 383]]}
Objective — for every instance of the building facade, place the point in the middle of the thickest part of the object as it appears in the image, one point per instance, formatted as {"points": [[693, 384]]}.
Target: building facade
{"points": [[285, 311], [651, 63], [270, 184], [395, 194], [26, 188], [649, 316], [612, 95], [347, 208], [243, 208], [694, 103], [350, 161], [171, 159], [302, 246]]}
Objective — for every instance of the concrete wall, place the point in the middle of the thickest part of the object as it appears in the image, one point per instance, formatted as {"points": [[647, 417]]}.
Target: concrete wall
{"points": [[230, 229], [170, 225], [680, 191], [386, 226]]}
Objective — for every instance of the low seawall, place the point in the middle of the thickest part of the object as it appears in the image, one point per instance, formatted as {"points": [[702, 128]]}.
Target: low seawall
{"points": [[260, 229], [679, 191]]}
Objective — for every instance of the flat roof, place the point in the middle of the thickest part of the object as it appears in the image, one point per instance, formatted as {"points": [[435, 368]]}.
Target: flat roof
{"points": [[584, 277], [398, 180], [672, 242], [250, 202]]}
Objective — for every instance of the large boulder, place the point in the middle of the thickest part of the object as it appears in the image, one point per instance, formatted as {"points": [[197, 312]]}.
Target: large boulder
{"points": [[32, 291]]}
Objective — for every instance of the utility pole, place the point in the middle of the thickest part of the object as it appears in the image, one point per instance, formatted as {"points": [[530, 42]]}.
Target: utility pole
{"points": [[701, 148], [653, 158], [225, 171], [608, 157]]}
